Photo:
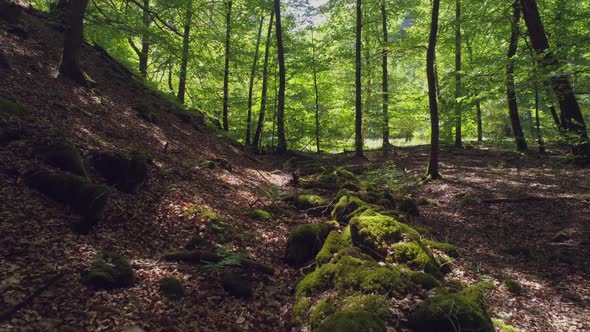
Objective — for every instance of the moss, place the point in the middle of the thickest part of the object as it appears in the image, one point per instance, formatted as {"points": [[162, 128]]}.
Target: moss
{"points": [[210, 164], [513, 286], [127, 174], [109, 270], [334, 243], [319, 312], [446, 248], [221, 230], [65, 156], [192, 256], [352, 321], [408, 205], [412, 254], [147, 113], [347, 208], [502, 326], [445, 312], [372, 303], [237, 285], [306, 201], [86, 198], [11, 107], [171, 287], [333, 179], [198, 242], [351, 186], [259, 214], [422, 279], [301, 308], [456, 286], [375, 232], [305, 241]]}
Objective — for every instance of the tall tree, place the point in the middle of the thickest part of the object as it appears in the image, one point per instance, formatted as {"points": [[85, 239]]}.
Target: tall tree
{"points": [[188, 21], [574, 120], [510, 87], [477, 101], [282, 142], [73, 38], [458, 85], [317, 95], [358, 138], [226, 69], [432, 170], [143, 52], [251, 85], [385, 83], [263, 98]]}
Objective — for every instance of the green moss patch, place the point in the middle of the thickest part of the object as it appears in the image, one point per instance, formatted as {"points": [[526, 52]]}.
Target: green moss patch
{"points": [[375, 232], [408, 205], [446, 248], [305, 241], [260, 215], [332, 179], [513, 286], [445, 312], [109, 270], [65, 156], [352, 321], [171, 287], [347, 207], [11, 107], [308, 201], [319, 312], [334, 243]]}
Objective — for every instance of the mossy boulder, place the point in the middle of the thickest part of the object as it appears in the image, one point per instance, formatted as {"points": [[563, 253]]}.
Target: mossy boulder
{"points": [[196, 256], [201, 243], [260, 215], [408, 205], [128, 174], [320, 311], [412, 254], [424, 280], [305, 241], [76, 192], [334, 243], [376, 232], [11, 107], [308, 201], [513, 286], [237, 285], [65, 156], [444, 247], [147, 113], [333, 178], [171, 287], [210, 164], [347, 207], [352, 321], [446, 312], [109, 270]]}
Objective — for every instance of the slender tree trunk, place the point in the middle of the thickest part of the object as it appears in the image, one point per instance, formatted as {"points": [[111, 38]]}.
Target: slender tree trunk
{"points": [[359, 113], [385, 83], [251, 86], [261, 115], [145, 42], [185, 48], [537, 121], [226, 70], [458, 83], [170, 86], [317, 96], [432, 170], [478, 120], [574, 120], [73, 38], [275, 108], [282, 142], [510, 89]]}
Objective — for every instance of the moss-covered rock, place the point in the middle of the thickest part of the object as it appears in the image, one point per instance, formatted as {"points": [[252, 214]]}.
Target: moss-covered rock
{"points": [[308, 201], [375, 232], [237, 285], [128, 174], [210, 164], [408, 205], [260, 215], [424, 280], [305, 241], [333, 178], [11, 107], [352, 321], [171, 287], [371, 303], [147, 113], [347, 207], [320, 311], [513, 286], [201, 243], [412, 254], [220, 229], [109, 270], [446, 248], [76, 192], [445, 312], [193, 256], [334, 243], [66, 156]]}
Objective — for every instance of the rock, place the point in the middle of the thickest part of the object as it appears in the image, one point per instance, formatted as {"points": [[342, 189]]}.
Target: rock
{"points": [[10, 12], [109, 270], [308, 201], [563, 235], [65, 156], [408, 205], [193, 256], [305, 241], [128, 174], [352, 321], [348, 207], [334, 243], [199, 242], [171, 287], [237, 285]]}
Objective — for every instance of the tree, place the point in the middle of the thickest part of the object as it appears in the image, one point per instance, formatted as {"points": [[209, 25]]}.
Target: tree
{"points": [[251, 85], [143, 53], [458, 85], [510, 88], [385, 86], [432, 170], [263, 98], [188, 21], [282, 142], [226, 69], [73, 38], [358, 138], [316, 93]]}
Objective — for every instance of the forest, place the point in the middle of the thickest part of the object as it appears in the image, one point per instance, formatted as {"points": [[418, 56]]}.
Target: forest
{"points": [[295, 165]]}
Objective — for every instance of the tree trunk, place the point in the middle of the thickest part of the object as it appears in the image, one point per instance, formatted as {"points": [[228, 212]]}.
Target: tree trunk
{"points": [[282, 142], [185, 48], [226, 69], [574, 120], [358, 139], [145, 43], [317, 96], [261, 115], [537, 121], [510, 89], [458, 85], [432, 170], [251, 86], [478, 119], [170, 86], [385, 83], [73, 38]]}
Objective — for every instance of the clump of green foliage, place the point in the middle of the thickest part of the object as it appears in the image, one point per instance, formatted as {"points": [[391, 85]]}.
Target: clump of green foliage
{"points": [[66, 156], [305, 241], [109, 270], [260, 215], [411, 254], [334, 243], [171, 287], [503, 327]]}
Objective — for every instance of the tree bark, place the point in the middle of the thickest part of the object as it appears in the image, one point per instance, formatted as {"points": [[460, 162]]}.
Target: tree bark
{"points": [[574, 120], [185, 48], [251, 85], [282, 142], [458, 83], [262, 114], [478, 119], [226, 69], [358, 92], [145, 43], [385, 83], [432, 170], [510, 88], [73, 38]]}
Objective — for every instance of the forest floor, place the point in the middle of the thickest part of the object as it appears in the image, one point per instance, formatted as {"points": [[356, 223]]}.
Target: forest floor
{"points": [[489, 204]]}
